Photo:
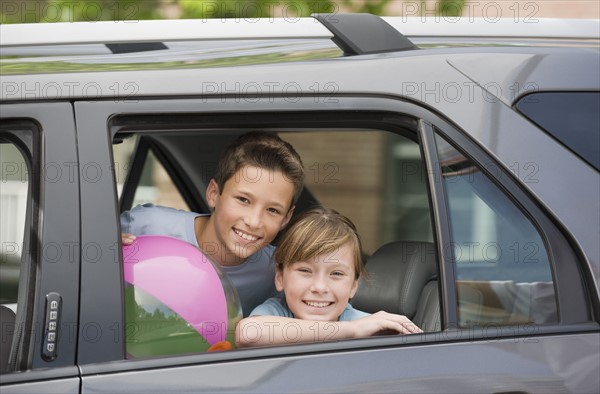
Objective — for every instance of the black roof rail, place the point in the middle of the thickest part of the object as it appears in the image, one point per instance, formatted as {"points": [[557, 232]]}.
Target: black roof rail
{"points": [[361, 34], [135, 47]]}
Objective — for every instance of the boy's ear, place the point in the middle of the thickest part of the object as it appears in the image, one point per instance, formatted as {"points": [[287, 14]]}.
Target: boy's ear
{"points": [[212, 193], [287, 218], [278, 279]]}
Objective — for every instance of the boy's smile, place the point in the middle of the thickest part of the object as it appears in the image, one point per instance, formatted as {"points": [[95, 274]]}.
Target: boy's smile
{"points": [[319, 289], [252, 208], [245, 236]]}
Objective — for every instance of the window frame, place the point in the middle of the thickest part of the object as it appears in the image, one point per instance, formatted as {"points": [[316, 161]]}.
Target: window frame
{"points": [[570, 280], [24, 135]]}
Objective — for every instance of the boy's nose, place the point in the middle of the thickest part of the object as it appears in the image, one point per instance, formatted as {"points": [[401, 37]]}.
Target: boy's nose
{"points": [[253, 218]]}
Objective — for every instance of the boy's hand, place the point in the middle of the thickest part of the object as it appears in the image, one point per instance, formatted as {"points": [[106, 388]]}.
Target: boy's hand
{"points": [[382, 321], [127, 239]]}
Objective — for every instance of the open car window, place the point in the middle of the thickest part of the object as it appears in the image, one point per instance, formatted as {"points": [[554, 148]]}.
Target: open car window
{"points": [[375, 177]]}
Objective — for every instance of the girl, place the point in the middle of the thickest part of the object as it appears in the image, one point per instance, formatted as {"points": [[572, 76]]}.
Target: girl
{"points": [[318, 264]]}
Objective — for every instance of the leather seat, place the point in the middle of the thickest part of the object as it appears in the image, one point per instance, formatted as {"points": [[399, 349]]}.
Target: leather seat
{"points": [[402, 279]]}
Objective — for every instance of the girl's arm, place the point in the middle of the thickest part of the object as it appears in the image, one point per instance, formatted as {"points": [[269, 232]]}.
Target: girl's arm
{"points": [[278, 330]]}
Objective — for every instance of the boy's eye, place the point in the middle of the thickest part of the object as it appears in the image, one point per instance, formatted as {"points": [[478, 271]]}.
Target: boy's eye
{"points": [[243, 199], [304, 270], [338, 273]]}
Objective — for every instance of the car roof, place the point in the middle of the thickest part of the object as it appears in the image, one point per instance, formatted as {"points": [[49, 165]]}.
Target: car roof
{"points": [[109, 53]]}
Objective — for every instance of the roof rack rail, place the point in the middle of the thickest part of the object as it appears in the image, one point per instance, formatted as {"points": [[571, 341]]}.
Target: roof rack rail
{"points": [[136, 47], [109, 32], [361, 34]]}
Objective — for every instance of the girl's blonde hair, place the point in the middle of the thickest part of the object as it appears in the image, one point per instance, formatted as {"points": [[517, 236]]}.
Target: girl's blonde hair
{"points": [[315, 232]]}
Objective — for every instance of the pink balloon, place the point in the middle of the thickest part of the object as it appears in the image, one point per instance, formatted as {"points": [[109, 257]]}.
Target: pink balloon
{"points": [[183, 278]]}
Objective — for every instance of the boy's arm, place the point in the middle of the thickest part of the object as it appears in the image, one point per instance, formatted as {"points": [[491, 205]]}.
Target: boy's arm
{"points": [[278, 330], [126, 219], [127, 237], [143, 219]]}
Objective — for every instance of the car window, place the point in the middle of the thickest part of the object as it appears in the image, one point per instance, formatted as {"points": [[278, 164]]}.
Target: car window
{"points": [[155, 184], [375, 177], [501, 263], [14, 188], [570, 117], [14, 184]]}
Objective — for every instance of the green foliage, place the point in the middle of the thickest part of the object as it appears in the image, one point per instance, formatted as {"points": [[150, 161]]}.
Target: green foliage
{"points": [[451, 7], [32, 11], [376, 7], [251, 9]]}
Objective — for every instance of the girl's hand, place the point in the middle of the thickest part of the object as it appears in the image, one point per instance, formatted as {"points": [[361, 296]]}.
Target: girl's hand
{"points": [[383, 321]]}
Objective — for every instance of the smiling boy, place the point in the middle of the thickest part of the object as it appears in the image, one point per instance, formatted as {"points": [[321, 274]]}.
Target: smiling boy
{"points": [[252, 196]]}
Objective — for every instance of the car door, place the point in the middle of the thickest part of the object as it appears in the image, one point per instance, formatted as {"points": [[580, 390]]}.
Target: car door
{"points": [[471, 352], [40, 208]]}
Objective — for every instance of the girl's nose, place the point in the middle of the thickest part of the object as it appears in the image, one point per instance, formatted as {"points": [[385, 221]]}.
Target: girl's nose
{"points": [[319, 285]]}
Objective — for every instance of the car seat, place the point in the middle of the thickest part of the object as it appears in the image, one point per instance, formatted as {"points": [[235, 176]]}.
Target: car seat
{"points": [[402, 278]]}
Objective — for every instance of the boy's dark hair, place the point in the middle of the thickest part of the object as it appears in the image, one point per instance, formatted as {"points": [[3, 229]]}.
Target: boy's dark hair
{"points": [[263, 150]]}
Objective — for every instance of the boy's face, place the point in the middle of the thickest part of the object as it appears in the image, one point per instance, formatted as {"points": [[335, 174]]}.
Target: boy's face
{"points": [[319, 289], [252, 208]]}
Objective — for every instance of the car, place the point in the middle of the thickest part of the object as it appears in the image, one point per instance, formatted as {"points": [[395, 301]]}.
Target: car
{"points": [[466, 152]]}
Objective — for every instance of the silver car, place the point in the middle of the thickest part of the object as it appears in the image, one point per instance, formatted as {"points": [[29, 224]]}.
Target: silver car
{"points": [[467, 153]]}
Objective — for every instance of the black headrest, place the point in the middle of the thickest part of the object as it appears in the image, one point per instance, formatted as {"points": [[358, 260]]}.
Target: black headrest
{"points": [[397, 273]]}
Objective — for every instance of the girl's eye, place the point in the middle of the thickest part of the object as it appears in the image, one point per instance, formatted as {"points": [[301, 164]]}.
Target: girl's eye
{"points": [[273, 210], [305, 270], [337, 273]]}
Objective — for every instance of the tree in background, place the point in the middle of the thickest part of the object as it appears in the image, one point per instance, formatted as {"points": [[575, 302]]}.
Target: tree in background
{"points": [[295, 8], [31, 11], [250, 9]]}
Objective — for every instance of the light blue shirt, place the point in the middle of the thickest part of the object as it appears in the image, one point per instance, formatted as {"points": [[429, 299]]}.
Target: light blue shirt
{"points": [[276, 306], [253, 279]]}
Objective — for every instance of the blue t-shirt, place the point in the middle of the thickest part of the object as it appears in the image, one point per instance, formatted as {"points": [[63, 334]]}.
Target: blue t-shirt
{"points": [[276, 306], [253, 279]]}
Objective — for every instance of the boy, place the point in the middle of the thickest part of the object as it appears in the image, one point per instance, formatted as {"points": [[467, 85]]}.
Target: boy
{"points": [[319, 262], [252, 196]]}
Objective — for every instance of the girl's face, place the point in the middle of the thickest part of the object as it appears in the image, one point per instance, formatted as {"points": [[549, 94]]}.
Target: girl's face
{"points": [[319, 289]]}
